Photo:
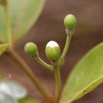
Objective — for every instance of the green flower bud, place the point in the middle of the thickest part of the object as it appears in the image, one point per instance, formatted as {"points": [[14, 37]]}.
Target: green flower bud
{"points": [[31, 49], [70, 22], [52, 50]]}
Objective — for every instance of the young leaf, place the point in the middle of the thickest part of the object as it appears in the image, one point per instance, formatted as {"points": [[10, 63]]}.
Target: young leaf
{"points": [[28, 99], [23, 14], [86, 76], [3, 48]]}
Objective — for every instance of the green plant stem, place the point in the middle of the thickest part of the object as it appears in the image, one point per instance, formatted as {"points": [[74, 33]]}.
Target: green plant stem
{"points": [[68, 39], [7, 21], [49, 67], [14, 56], [58, 83]]}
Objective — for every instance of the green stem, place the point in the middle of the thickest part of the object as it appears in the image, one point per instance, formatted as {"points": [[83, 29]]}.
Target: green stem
{"points": [[28, 72], [8, 26], [68, 39], [50, 67], [58, 83]]}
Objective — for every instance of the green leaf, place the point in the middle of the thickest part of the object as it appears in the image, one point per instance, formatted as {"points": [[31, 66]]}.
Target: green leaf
{"points": [[86, 76], [3, 48], [28, 99], [23, 14]]}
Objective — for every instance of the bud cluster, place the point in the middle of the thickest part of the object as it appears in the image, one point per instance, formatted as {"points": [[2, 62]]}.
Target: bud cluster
{"points": [[52, 49]]}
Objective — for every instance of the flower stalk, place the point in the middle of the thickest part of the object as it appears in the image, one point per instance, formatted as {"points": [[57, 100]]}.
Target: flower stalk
{"points": [[58, 83], [68, 39], [25, 68]]}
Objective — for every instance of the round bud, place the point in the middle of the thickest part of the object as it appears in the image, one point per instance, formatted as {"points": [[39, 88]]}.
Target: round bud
{"points": [[52, 50], [31, 49], [70, 22]]}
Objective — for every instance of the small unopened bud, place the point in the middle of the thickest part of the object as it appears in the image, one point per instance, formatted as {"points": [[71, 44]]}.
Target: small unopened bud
{"points": [[70, 22], [52, 50], [31, 49]]}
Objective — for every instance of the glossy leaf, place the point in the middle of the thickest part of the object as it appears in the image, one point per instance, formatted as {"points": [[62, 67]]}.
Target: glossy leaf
{"points": [[28, 99], [86, 75], [23, 14], [13, 89], [4, 98], [3, 48]]}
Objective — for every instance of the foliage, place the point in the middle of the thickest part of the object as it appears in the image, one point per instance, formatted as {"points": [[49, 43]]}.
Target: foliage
{"points": [[16, 18], [28, 99], [86, 75], [3, 48], [23, 14]]}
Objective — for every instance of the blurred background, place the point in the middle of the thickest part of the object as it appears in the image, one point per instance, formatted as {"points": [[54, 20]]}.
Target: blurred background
{"points": [[89, 32]]}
